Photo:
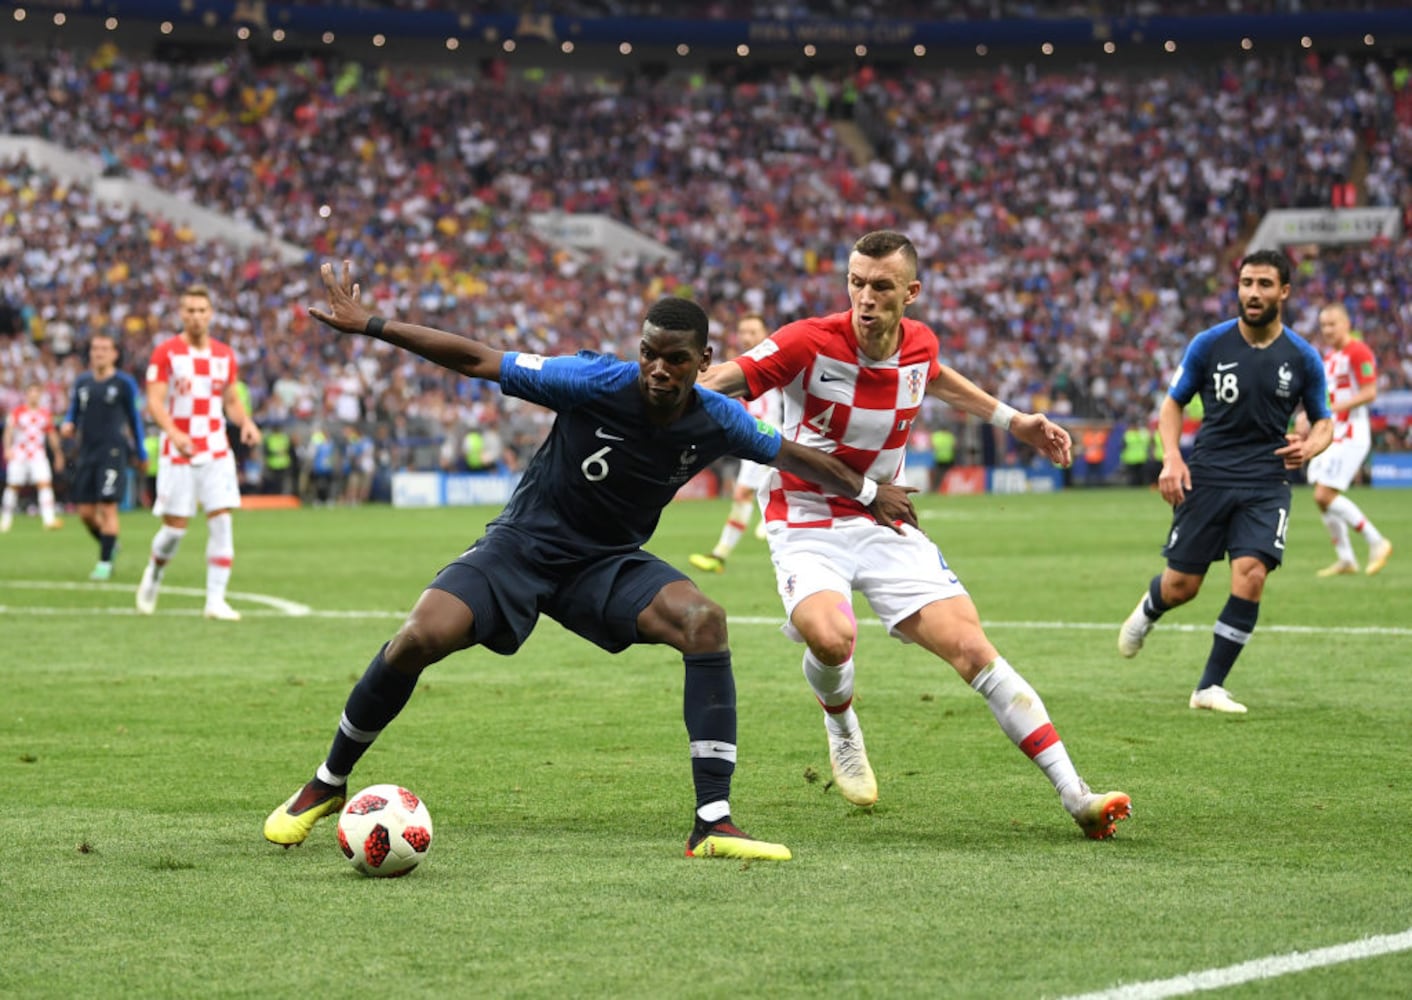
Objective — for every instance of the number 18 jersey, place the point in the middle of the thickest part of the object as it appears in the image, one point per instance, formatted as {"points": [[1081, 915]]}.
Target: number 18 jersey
{"points": [[1249, 395]]}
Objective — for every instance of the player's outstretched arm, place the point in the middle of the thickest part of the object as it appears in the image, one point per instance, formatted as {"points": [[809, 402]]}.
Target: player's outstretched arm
{"points": [[887, 503], [1034, 429], [726, 378], [347, 314]]}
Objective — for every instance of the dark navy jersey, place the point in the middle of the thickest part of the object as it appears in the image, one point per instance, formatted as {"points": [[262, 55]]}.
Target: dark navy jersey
{"points": [[600, 480], [1249, 395], [102, 410]]}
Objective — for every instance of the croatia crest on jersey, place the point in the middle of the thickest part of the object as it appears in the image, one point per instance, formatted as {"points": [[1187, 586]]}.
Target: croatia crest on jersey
{"points": [[915, 384]]}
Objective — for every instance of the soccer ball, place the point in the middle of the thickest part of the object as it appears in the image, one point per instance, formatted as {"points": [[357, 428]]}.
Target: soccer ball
{"points": [[384, 831]]}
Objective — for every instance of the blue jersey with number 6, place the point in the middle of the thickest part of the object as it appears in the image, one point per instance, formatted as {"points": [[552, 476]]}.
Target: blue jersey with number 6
{"points": [[1249, 395], [600, 480]]}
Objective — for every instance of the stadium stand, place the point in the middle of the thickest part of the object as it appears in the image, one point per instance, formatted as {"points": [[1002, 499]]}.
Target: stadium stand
{"points": [[1075, 223]]}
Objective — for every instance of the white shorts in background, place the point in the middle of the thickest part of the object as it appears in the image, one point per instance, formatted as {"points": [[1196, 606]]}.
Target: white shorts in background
{"points": [[28, 471], [898, 574], [1337, 465], [751, 474], [181, 487]]}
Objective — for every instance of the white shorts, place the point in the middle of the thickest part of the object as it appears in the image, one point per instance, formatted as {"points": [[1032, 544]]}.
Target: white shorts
{"points": [[1337, 465], [181, 487], [898, 574], [28, 471], [751, 474]]}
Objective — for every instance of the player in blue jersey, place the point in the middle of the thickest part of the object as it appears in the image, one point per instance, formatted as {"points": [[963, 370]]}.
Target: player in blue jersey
{"points": [[569, 542], [1233, 497], [103, 412]]}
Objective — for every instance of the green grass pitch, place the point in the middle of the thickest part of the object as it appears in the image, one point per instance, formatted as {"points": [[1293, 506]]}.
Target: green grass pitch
{"points": [[139, 756]]}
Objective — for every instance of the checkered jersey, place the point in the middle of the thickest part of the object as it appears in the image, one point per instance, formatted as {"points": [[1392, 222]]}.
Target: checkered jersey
{"points": [[768, 406], [195, 382], [840, 401], [1348, 371], [32, 425]]}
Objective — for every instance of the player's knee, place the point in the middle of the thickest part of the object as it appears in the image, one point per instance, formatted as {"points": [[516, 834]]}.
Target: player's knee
{"points": [[703, 626], [832, 645], [417, 645]]}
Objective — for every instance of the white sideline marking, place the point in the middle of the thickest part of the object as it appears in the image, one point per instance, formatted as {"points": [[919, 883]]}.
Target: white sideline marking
{"points": [[281, 608], [1270, 967], [288, 608]]}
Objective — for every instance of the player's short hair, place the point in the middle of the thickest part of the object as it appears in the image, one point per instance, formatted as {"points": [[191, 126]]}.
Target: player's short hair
{"points": [[197, 292], [1268, 258], [112, 338], [1336, 309], [681, 315], [884, 243]]}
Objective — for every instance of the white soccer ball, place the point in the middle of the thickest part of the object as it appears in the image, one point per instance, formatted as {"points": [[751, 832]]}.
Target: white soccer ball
{"points": [[384, 831]]}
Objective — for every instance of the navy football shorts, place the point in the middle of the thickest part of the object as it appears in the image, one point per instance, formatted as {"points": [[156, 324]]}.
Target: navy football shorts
{"points": [[99, 478], [507, 581], [1214, 521]]}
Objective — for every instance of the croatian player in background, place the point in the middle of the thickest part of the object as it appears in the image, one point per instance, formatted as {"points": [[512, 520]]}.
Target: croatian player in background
{"points": [[769, 407], [29, 429], [853, 384], [1352, 374], [190, 390], [103, 412]]}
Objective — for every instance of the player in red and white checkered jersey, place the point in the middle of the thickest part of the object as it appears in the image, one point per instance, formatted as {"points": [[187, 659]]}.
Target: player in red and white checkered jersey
{"points": [[853, 383], [1352, 374], [29, 428], [769, 407], [191, 389]]}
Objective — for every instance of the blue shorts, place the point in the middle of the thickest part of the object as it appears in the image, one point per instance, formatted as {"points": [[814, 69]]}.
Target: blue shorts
{"points": [[100, 477], [508, 581], [1240, 520]]}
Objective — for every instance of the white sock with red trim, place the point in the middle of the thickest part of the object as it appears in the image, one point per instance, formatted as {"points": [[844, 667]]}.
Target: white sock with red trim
{"points": [[1022, 717], [220, 553]]}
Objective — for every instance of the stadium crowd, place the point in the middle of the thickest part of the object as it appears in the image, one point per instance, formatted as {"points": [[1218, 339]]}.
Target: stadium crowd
{"points": [[1076, 225]]}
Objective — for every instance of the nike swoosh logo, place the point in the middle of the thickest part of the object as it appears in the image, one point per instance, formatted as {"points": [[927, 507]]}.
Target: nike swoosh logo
{"points": [[1227, 365], [603, 433], [825, 377]]}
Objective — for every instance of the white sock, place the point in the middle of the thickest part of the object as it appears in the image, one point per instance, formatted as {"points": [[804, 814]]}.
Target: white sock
{"points": [[1338, 534], [712, 812], [46, 505], [833, 686], [736, 524], [328, 777], [8, 504], [1022, 717], [1355, 519], [164, 546], [220, 553]]}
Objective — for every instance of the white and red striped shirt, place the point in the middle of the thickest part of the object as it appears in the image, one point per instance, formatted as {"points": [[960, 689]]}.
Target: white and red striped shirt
{"points": [[196, 381], [840, 401], [1347, 371], [32, 426]]}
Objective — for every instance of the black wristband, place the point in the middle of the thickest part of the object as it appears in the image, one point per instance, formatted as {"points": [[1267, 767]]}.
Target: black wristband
{"points": [[374, 326]]}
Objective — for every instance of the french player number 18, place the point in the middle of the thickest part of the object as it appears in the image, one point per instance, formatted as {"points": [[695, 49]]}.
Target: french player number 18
{"points": [[595, 467]]}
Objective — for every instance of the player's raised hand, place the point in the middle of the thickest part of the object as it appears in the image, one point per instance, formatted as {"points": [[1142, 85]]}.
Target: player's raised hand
{"points": [[1044, 436], [893, 504], [346, 312]]}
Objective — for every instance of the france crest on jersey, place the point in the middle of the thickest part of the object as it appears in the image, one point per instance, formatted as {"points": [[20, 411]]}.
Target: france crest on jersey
{"points": [[600, 480]]}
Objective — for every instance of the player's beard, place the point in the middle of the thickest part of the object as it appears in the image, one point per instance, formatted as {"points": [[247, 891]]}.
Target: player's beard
{"points": [[1267, 316]]}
